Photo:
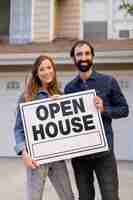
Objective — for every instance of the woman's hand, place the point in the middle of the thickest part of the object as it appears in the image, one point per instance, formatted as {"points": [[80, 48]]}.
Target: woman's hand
{"points": [[28, 162], [55, 96], [99, 104]]}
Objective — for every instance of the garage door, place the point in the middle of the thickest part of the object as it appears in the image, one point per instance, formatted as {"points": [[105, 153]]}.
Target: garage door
{"points": [[11, 85], [123, 128]]}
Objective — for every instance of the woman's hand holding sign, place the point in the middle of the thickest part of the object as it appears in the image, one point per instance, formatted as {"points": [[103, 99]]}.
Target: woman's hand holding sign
{"points": [[28, 162]]}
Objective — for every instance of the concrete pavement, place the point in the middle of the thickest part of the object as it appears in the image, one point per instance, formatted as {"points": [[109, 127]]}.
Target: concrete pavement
{"points": [[12, 181]]}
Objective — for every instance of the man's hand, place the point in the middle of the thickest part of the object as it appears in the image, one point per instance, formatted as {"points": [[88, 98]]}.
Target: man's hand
{"points": [[99, 104]]}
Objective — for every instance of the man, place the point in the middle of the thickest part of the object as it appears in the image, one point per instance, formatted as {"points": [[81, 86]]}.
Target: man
{"points": [[112, 104]]}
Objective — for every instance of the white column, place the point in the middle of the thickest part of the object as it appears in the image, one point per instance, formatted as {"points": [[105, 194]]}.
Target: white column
{"points": [[81, 19], [52, 13], [110, 19], [21, 21]]}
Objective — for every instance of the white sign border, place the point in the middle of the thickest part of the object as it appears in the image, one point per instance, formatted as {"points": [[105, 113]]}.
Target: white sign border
{"points": [[72, 153]]}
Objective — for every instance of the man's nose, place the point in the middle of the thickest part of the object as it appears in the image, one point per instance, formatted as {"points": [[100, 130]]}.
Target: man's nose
{"points": [[84, 57]]}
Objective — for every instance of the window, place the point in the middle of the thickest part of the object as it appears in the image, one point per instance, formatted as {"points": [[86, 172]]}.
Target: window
{"points": [[13, 85]]}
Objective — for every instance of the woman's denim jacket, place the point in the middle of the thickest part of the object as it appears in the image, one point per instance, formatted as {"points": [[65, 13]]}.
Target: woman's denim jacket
{"points": [[18, 128]]}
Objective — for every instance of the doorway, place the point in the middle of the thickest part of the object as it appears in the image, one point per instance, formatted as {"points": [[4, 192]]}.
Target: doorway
{"points": [[4, 20]]}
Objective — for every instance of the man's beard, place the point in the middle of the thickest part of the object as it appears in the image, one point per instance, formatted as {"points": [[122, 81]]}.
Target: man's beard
{"points": [[84, 66]]}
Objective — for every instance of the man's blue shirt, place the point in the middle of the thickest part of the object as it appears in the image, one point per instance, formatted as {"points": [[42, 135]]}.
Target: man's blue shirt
{"points": [[108, 89]]}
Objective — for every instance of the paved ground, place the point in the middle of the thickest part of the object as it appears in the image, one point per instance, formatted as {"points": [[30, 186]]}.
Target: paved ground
{"points": [[12, 181]]}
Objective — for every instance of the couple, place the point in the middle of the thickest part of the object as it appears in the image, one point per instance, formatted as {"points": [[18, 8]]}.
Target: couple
{"points": [[109, 101]]}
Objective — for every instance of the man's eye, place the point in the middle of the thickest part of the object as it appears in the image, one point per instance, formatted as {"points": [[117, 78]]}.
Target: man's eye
{"points": [[79, 54], [87, 53]]}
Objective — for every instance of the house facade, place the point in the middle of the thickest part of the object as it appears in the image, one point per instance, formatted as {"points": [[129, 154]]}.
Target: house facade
{"points": [[31, 27], [43, 21]]}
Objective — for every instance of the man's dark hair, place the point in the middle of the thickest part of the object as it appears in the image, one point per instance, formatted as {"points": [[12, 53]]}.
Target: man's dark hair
{"points": [[81, 43]]}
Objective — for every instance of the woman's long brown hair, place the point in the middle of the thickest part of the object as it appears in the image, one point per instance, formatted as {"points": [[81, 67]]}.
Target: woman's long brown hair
{"points": [[33, 83]]}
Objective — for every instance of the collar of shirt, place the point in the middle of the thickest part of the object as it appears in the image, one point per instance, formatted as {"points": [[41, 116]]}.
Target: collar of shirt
{"points": [[92, 77], [42, 94], [85, 84]]}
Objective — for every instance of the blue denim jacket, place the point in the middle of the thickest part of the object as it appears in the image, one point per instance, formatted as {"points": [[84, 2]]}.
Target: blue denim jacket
{"points": [[108, 89], [18, 129]]}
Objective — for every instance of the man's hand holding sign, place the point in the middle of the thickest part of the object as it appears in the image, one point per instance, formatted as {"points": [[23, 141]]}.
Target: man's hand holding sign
{"points": [[65, 127]]}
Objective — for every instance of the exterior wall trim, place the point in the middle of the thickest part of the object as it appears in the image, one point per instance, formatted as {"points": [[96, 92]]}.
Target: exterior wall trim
{"points": [[81, 19], [110, 19], [32, 20], [113, 56], [51, 32]]}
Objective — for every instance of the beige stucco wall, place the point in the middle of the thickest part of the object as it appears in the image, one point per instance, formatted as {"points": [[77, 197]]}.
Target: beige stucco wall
{"points": [[68, 18], [41, 20], [65, 19]]}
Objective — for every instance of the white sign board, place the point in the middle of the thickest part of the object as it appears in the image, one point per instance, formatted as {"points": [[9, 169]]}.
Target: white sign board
{"points": [[67, 127]]}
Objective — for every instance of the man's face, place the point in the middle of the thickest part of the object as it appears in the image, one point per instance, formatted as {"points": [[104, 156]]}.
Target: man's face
{"points": [[83, 57]]}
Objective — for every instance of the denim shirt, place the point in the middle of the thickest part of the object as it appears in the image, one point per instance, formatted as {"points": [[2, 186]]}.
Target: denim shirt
{"points": [[18, 128], [108, 89]]}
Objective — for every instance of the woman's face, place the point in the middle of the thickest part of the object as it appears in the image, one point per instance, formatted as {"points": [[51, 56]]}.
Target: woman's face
{"points": [[46, 72]]}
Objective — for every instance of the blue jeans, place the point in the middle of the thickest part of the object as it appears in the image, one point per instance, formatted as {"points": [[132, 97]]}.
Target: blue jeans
{"points": [[58, 175], [104, 166]]}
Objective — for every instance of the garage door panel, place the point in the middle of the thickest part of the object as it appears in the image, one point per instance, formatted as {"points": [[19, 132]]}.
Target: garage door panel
{"points": [[123, 128], [11, 86], [123, 135]]}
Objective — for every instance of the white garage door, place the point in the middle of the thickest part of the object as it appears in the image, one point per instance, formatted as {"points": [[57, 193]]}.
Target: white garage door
{"points": [[123, 128], [11, 85]]}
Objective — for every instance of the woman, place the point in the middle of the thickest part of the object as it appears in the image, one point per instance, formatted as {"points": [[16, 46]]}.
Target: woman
{"points": [[41, 84]]}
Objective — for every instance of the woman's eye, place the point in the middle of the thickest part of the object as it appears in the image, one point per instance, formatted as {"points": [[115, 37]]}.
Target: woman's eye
{"points": [[49, 67], [41, 70]]}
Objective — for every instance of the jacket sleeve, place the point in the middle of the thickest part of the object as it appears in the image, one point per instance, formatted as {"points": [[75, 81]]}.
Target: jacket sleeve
{"points": [[118, 106], [19, 131]]}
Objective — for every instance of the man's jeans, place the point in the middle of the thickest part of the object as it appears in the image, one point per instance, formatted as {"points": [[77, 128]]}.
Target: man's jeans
{"points": [[104, 166]]}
